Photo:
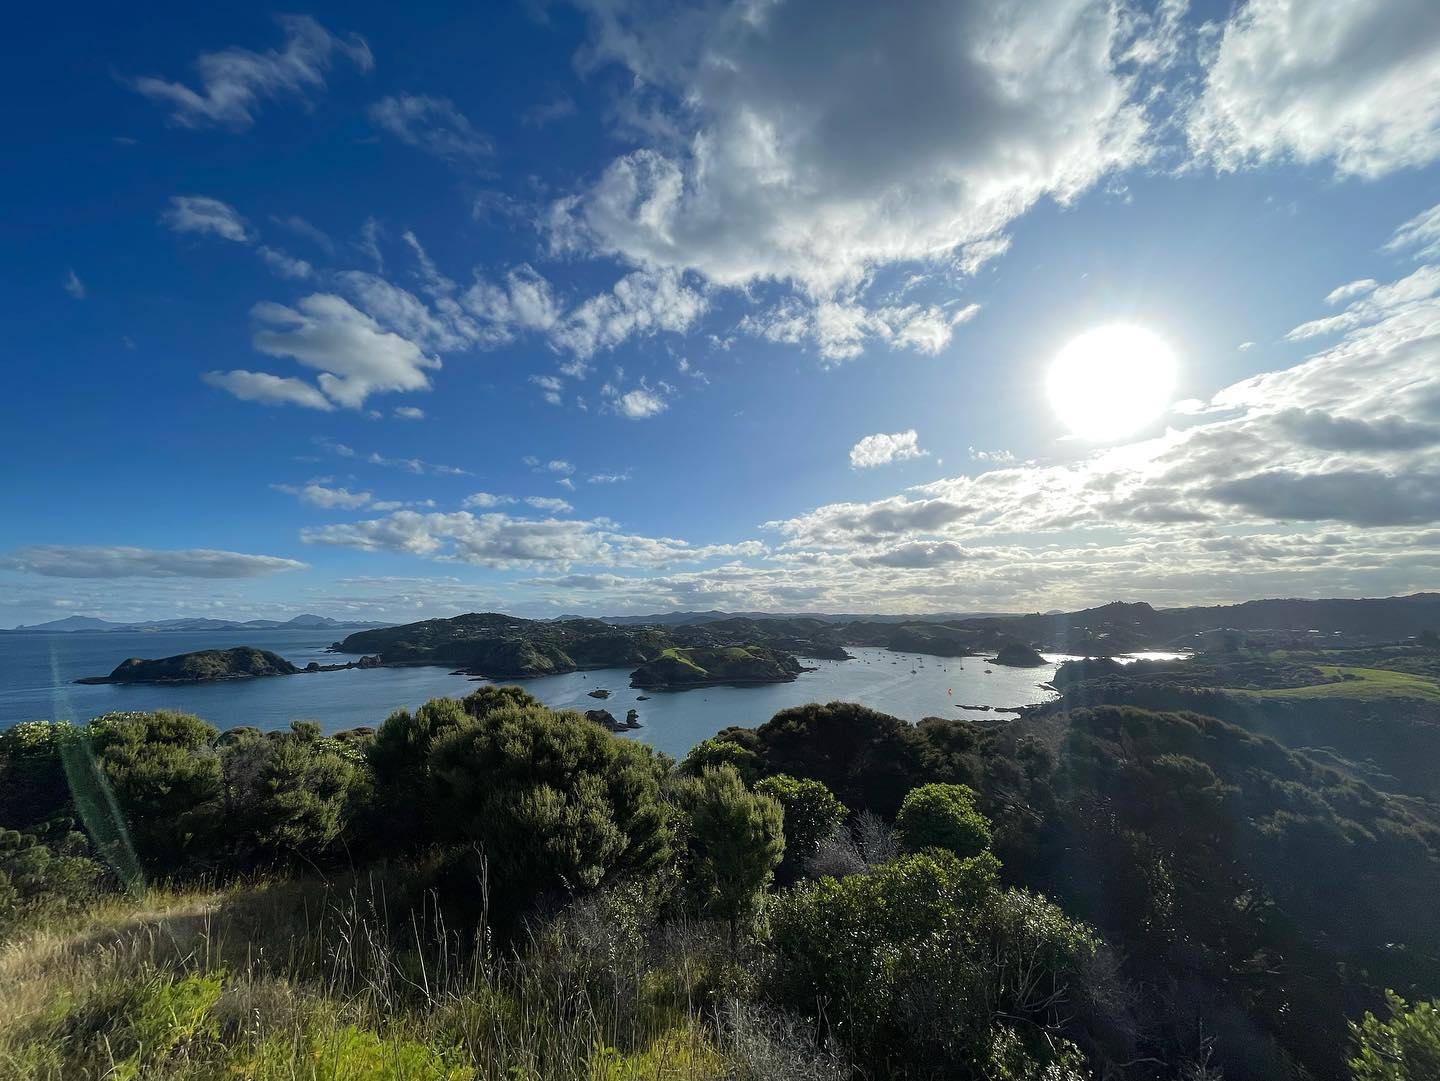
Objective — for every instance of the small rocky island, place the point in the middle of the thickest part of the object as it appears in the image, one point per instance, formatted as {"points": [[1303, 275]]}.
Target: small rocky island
{"points": [[216, 665], [1018, 655], [703, 666]]}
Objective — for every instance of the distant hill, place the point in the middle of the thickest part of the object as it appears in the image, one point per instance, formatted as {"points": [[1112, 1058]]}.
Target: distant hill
{"points": [[90, 623]]}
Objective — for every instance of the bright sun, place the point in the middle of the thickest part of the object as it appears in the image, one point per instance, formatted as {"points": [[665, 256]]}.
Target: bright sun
{"points": [[1112, 381]]}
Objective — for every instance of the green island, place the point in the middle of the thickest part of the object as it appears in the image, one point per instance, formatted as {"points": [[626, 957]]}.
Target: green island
{"points": [[214, 666], [702, 666]]}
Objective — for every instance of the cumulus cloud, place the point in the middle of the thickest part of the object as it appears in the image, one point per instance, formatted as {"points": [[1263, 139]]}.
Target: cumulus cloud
{"points": [[903, 133], [355, 356], [434, 125], [638, 403], [882, 449], [268, 389], [1352, 84], [235, 81], [94, 561], [640, 304], [550, 388]]}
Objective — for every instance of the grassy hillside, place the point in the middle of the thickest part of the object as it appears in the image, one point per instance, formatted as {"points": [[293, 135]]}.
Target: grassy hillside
{"points": [[1362, 685]]}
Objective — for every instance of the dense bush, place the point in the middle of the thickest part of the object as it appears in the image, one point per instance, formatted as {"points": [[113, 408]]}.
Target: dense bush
{"points": [[737, 839], [165, 776], [555, 804], [926, 967], [943, 816], [812, 815]]}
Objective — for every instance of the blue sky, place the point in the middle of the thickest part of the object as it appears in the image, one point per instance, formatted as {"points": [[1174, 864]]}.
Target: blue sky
{"points": [[623, 307]]}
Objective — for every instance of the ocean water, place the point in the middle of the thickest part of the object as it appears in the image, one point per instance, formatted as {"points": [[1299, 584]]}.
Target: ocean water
{"points": [[37, 673]]}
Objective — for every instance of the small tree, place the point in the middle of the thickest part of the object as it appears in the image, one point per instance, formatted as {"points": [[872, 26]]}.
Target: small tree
{"points": [[943, 816], [302, 793], [165, 775], [737, 840], [713, 752], [1404, 1048], [812, 816], [557, 805]]}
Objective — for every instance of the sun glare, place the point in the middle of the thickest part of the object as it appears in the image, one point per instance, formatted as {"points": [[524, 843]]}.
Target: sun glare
{"points": [[1112, 381]]}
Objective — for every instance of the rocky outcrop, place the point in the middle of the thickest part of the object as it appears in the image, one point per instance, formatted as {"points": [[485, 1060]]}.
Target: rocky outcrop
{"points": [[202, 666]]}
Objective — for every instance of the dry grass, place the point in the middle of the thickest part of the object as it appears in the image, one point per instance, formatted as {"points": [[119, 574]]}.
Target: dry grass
{"points": [[311, 980]]}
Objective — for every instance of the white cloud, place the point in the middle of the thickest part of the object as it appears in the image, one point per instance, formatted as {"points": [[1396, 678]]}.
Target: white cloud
{"points": [[844, 329], [1349, 83], [1372, 302], [640, 304], [997, 457], [356, 358], [486, 500], [882, 449], [551, 505], [434, 125], [321, 495], [639, 403], [234, 81], [608, 478], [95, 561], [73, 285], [550, 388], [284, 264], [268, 389], [1420, 235], [903, 133], [1351, 290], [204, 215], [499, 540], [408, 412], [409, 465]]}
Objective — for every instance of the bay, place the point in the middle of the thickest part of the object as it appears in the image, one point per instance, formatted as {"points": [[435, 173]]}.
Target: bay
{"points": [[37, 673]]}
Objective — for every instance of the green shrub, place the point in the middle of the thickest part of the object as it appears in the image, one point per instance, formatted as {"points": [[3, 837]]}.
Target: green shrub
{"points": [[555, 804], [1406, 1047], [166, 779], [709, 753], [943, 816], [737, 839], [812, 815], [924, 966]]}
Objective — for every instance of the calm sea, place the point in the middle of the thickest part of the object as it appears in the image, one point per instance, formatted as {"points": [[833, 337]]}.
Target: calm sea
{"points": [[37, 673]]}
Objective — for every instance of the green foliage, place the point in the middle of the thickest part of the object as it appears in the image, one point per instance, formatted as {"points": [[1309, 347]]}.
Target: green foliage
{"points": [[812, 815], [302, 787], [347, 1053], [737, 840], [127, 1030], [35, 875], [714, 752], [33, 785], [493, 696], [943, 816], [1405, 1047], [925, 967], [556, 805], [165, 776]]}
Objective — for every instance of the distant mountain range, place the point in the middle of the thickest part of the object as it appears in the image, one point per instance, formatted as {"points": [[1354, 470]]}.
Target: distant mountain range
{"points": [[301, 622]]}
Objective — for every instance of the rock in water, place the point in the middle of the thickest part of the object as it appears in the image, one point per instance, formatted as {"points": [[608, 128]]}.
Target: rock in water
{"points": [[599, 694]]}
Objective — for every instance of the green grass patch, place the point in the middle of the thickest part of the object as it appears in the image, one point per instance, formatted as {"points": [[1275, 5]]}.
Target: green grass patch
{"points": [[1361, 684]]}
